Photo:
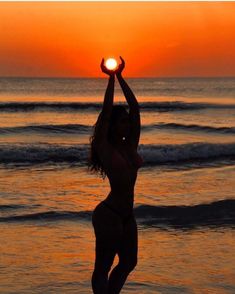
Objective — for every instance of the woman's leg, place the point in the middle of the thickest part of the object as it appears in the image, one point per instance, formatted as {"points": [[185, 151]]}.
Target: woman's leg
{"points": [[103, 263], [108, 230], [127, 254]]}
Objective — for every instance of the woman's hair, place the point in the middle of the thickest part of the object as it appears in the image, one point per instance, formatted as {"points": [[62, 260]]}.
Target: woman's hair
{"points": [[94, 162]]}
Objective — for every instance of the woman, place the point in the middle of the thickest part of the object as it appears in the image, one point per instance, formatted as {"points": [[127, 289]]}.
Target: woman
{"points": [[114, 154]]}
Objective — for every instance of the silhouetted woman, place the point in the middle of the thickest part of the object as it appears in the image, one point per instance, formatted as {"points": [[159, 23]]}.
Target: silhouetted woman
{"points": [[114, 154]]}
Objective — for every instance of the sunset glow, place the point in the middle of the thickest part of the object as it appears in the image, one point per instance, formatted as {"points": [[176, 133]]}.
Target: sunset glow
{"points": [[161, 39]]}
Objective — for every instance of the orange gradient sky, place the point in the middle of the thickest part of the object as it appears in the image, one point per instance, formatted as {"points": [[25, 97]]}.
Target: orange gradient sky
{"points": [[158, 39]]}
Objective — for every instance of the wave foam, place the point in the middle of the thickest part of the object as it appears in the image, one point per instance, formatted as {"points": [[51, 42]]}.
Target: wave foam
{"points": [[152, 154], [157, 154]]}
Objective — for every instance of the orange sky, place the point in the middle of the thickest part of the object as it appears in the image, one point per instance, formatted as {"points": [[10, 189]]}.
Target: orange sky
{"points": [[158, 39]]}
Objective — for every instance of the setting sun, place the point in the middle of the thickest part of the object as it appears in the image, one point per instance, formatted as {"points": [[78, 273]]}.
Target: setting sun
{"points": [[111, 63]]}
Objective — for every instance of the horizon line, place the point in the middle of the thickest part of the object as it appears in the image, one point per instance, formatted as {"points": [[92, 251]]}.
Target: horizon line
{"points": [[104, 77]]}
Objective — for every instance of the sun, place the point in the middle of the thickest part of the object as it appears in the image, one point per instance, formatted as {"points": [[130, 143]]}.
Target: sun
{"points": [[111, 63]]}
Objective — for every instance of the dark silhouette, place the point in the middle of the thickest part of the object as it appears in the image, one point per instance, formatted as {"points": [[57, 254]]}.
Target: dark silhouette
{"points": [[114, 154]]}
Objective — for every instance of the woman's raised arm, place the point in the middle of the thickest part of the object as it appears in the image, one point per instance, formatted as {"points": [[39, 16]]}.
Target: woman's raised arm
{"points": [[103, 121], [133, 105]]}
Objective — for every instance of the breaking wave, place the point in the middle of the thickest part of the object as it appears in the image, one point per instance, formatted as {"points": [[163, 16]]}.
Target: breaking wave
{"points": [[217, 213], [151, 154], [191, 127], [47, 129], [78, 106], [86, 129], [156, 154]]}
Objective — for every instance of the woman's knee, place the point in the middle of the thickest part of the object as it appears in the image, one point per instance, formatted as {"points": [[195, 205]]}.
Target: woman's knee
{"points": [[133, 263], [128, 265], [102, 269], [104, 259]]}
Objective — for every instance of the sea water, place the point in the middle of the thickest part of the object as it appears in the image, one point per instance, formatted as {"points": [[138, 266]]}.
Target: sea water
{"points": [[184, 194]]}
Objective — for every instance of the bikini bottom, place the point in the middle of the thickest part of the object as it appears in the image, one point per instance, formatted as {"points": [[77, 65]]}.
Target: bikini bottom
{"points": [[124, 219]]}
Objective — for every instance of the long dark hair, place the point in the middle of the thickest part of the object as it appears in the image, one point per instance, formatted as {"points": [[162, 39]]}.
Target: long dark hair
{"points": [[94, 162]]}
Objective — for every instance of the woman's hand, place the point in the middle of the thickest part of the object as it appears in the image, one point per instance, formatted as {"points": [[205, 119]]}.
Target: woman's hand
{"points": [[121, 66], [105, 69]]}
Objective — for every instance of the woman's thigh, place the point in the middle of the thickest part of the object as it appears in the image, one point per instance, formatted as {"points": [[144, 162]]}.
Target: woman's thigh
{"points": [[108, 231], [128, 249]]}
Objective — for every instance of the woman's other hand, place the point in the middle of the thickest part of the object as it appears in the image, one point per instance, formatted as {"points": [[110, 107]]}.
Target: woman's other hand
{"points": [[105, 69], [121, 66]]}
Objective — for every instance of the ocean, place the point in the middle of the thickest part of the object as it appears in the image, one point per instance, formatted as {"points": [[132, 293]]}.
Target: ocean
{"points": [[184, 194]]}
